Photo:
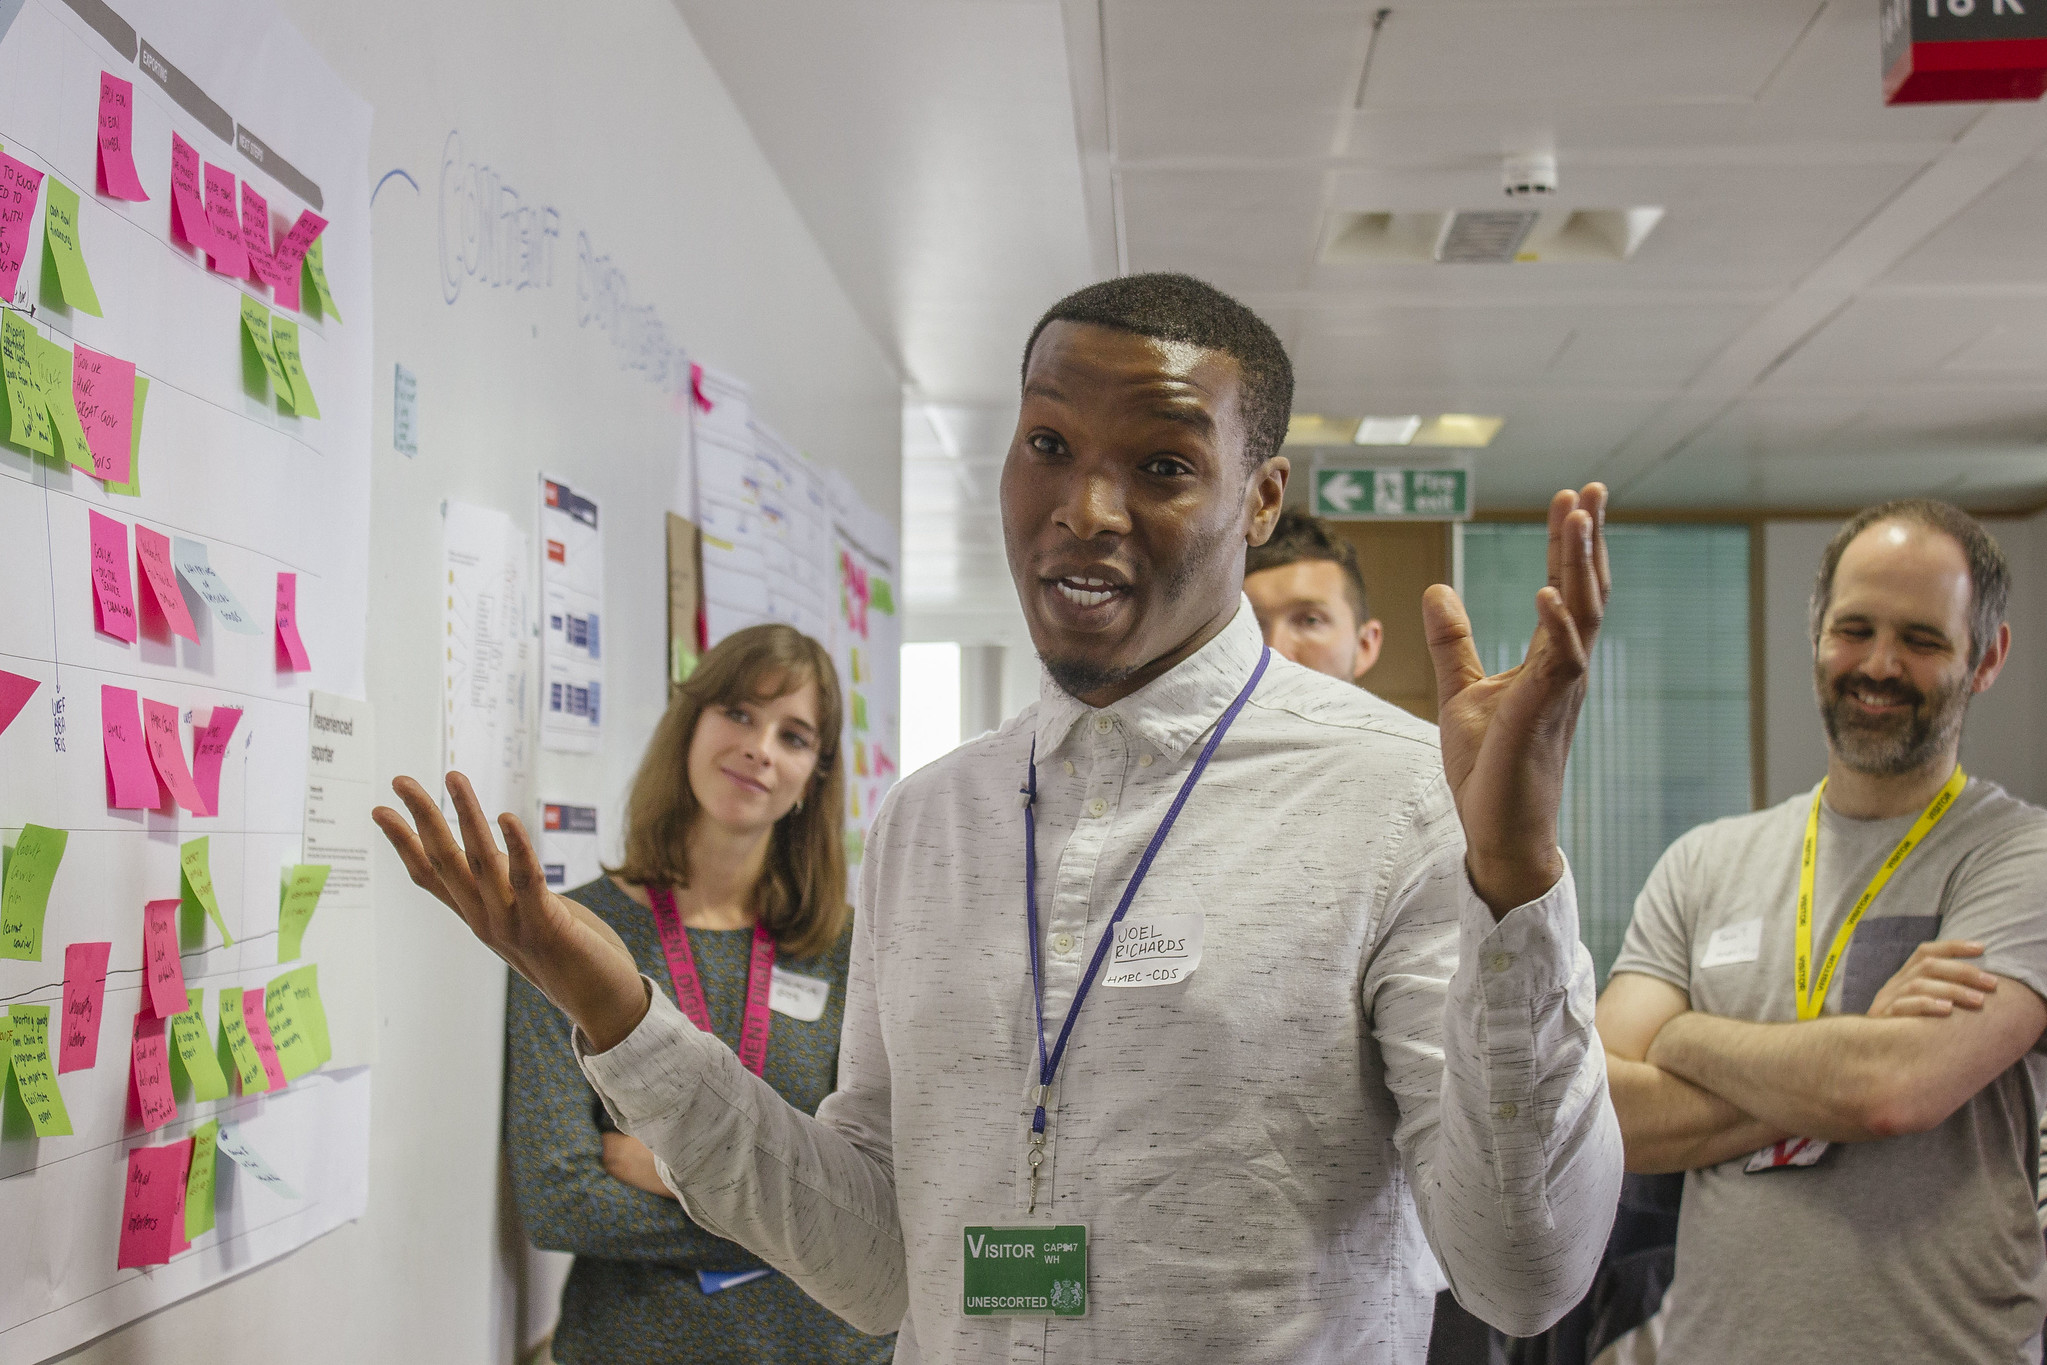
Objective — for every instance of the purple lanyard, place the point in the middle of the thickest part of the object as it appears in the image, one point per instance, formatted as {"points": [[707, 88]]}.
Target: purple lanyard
{"points": [[1048, 1062], [689, 987]]}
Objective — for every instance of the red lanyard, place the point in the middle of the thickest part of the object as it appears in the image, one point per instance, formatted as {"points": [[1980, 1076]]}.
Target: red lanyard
{"points": [[689, 987]]}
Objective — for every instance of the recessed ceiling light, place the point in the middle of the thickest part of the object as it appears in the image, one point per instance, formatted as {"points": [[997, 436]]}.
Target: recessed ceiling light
{"points": [[1464, 429], [1386, 431]]}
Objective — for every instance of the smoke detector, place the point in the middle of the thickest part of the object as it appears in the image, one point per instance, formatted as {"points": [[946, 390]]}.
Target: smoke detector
{"points": [[1532, 175]]}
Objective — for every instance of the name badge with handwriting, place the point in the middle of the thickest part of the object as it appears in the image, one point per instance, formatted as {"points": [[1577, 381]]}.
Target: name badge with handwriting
{"points": [[1158, 950]]}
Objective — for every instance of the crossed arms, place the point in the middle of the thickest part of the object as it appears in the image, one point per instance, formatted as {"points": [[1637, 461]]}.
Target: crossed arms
{"points": [[1694, 1089]]}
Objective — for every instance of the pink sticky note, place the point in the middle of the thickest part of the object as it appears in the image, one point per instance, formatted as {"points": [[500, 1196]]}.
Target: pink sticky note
{"points": [[153, 1208], [103, 386], [19, 186], [209, 747], [85, 990], [167, 752], [291, 650], [113, 591], [131, 782], [15, 691], [259, 1034], [117, 176], [163, 971], [226, 253], [154, 550], [256, 234], [184, 1183], [291, 254], [188, 211], [151, 1075]]}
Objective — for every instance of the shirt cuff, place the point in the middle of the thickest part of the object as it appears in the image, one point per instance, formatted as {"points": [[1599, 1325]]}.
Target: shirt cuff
{"points": [[1530, 952], [655, 1071]]}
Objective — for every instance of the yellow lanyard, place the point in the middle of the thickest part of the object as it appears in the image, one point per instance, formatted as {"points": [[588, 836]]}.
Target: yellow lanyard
{"points": [[1810, 999]]}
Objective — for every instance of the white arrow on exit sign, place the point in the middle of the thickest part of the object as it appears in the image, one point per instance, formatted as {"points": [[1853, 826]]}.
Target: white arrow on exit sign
{"points": [[1344, 492]]}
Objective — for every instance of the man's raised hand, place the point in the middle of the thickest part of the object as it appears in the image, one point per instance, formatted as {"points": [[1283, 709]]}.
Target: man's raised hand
{"points": [[574, 958], [1506, 737]]}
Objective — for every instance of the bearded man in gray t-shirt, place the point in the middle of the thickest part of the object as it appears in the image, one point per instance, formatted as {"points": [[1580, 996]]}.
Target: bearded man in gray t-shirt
{"points": [[1828, 1012]]}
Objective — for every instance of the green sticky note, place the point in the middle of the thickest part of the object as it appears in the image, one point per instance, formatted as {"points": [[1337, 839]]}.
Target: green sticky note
{"points": [[53, 374], [25, 896], [289, 1015], [192, 1052], [133, 488], [308, 1009], [6, 1054], [234, 1032], [859, 711], [199, 1180], [28, 417], [302, 889], [60, 229], [256, 324], [35, 1073], [285, 335], [880, 598], [197, 873], [316, 270]]}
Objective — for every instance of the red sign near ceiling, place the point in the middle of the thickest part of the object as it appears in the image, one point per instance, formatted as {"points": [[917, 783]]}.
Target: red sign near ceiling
{"points": [[1943, 51]]}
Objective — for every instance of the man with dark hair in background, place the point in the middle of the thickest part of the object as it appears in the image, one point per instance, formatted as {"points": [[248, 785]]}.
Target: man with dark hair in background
{"points": [[1343, 1007], [1305, 587], [1827, 1012]]}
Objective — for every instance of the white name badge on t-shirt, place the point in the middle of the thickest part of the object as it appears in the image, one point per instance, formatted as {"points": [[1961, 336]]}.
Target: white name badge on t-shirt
{"points": [[798, 996], [1158, 950], [1736, 943]]}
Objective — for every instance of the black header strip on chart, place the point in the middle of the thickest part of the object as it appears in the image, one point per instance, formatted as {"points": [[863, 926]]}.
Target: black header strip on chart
{"points": [[119, 33]]}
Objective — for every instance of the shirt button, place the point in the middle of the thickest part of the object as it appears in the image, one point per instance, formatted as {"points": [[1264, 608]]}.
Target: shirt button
{"points": [[1508, 1110], [1498, 962], [1103, 725], [1062, 943], [1069, 767], [1097, 806], [1144, 760]]}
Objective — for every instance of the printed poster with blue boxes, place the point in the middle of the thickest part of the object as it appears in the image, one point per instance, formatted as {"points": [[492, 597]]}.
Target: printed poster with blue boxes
{"points": [[572, 608]]}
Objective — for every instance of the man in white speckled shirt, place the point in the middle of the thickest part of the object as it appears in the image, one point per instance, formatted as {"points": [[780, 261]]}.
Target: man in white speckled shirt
{"points": [[1305, 986]]}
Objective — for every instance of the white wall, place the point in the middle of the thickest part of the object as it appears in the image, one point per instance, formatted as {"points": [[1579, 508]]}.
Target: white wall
{"points": [[610, 115], [2006, 738]]}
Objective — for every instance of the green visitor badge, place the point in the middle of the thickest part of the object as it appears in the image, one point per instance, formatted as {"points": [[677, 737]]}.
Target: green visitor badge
{"points": [[1026, 1272]]}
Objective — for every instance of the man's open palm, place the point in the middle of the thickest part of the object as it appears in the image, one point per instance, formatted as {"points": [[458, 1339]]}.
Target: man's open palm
{"points": [[1505, 737]]}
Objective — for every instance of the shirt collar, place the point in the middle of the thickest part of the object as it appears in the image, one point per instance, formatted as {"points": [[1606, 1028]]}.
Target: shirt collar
{"points": [[1173, 710]]}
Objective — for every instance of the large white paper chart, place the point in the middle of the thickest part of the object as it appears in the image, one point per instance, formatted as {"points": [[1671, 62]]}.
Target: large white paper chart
{"points": [[175, 610], [487, 687], [572, 619], [866, 644]]}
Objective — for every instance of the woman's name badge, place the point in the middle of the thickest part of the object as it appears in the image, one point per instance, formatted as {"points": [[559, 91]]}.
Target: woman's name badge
{"points": [[1158, 950], [798, 996], [1035, 1272]]}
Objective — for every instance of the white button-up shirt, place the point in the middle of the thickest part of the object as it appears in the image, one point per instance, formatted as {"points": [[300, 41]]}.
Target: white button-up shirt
{"points": [[1362, 1056]]}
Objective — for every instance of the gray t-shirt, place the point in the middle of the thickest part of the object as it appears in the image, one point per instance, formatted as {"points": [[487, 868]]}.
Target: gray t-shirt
{"points": [[1923, 1247]]}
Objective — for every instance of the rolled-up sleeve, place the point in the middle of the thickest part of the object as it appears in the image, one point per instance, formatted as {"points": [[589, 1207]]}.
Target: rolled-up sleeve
{"points": [[1506, 1129]]}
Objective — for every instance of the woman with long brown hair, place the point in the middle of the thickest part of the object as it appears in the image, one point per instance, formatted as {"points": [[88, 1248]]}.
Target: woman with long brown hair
{"points": [[731, 896]]}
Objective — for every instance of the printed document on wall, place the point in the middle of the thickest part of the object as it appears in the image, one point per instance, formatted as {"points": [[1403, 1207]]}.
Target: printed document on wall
{"points": [[486, 729], [572, 607]]}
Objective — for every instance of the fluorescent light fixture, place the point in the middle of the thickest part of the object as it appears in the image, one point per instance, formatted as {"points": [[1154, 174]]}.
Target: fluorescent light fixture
{"points": [[1313, 429], [1386, 431], [1466, 430]]}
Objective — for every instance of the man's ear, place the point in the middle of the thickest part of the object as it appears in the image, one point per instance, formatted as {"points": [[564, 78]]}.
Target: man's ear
{"points": [[1262, 499], [1371, 635], [1993, 659]]}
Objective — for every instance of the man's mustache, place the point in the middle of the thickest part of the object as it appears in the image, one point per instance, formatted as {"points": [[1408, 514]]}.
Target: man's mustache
{"points": [[1888, 689]]}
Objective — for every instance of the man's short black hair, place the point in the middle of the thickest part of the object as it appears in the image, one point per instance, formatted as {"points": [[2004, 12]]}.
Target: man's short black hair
{"points": [[1297, 536], [1181, 308], [1989, 571]]}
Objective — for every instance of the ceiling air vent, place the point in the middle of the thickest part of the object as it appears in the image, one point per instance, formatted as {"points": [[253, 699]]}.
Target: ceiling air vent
{"points": [[1489, 236]]}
